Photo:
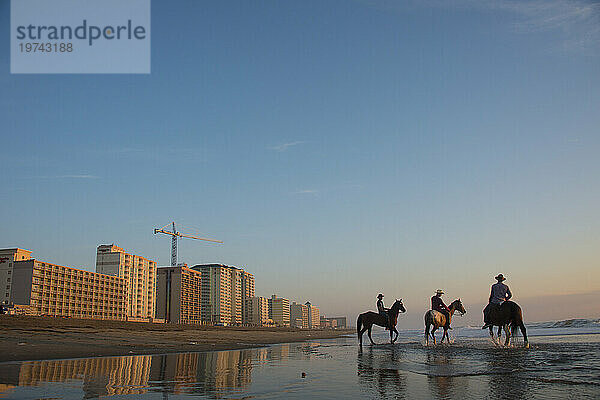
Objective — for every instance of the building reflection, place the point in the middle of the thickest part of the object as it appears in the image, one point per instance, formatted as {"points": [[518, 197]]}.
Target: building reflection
{"points": [[214, 374], [100, 376], [378, 371]]}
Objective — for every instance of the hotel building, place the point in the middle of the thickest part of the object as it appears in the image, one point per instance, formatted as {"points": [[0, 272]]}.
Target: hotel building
{"points": [[279, 310], [7, 259], [225, 289], [139, 274], [256, 311], [178, 295], [314, 320], [42, 288], [298, 315]]}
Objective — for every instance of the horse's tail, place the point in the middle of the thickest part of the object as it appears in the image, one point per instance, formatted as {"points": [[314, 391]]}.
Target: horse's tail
{"points": [[516, 316], [358, 325]]}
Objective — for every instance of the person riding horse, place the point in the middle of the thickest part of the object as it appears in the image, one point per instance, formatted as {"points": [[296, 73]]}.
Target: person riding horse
{"points": [[437, 304], [382, 310], [499, 294]]}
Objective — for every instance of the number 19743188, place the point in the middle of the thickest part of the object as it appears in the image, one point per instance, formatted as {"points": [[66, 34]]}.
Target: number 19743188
{"points": [[46, 47]]}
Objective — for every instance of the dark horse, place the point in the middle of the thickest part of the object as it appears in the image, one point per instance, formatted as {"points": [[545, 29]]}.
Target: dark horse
{"points": [[508, 316], [436, 319], [366, 320]]}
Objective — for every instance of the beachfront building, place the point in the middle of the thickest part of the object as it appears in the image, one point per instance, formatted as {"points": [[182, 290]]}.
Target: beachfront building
{"points": [[298, 315], [256, 311], [279, 310], [314, 320], [340, 322], [7, 259], [178, 295], [42, 288], [225, 289], [140, 279]]}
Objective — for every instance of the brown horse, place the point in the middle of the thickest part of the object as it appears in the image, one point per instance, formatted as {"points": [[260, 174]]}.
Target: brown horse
{"points": [[366, 321], [438, 319], [508, 316]]}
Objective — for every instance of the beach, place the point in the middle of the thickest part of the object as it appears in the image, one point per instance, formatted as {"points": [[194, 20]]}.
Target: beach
{"points": [[563, 361], [40, 338]]}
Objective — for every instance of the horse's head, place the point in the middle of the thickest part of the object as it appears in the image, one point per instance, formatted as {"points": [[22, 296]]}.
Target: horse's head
{"points": [[458, 306], [399, 306]]}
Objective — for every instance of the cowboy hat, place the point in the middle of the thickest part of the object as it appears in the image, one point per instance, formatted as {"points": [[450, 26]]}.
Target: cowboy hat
{"points": [[439, 291], [379, 296], [500, 277]]}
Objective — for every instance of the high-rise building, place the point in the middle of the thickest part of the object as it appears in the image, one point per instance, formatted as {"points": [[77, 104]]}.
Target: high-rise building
{"points": [[279, 310], [140, 279], [7, 259], [225, 289], [256, 311], [178, 295], [298, 315], [41, 288], [314, 321]]}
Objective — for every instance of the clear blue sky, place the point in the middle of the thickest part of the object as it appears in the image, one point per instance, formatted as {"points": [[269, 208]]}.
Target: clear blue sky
{"points": [[339, 148]]}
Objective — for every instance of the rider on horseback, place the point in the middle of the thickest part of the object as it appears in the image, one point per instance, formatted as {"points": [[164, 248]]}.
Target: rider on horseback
{"points": [[500, 293], [382, 310], [437, 304]]}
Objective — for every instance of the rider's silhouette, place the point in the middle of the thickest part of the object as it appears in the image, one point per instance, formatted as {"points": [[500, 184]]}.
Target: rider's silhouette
{"points": [[382, 310]]}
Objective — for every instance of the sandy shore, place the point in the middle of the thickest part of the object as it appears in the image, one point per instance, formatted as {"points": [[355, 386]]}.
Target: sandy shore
{"points": [[39, 338]]}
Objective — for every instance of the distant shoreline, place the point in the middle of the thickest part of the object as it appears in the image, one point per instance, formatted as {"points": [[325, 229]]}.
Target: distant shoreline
{"points": [[27, 338]]}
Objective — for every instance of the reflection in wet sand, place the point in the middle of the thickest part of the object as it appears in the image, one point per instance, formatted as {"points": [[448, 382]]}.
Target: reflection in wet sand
{"points": [[204, 373], [376, 372], [471, 369], [510, 377], [101, 376]]}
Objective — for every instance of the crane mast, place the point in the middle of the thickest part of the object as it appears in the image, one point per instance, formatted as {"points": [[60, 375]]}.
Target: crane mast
{"points": [[175, 235]]}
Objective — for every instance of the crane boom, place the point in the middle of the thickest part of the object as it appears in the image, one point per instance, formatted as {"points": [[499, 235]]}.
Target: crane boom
{"points": [[174, 235]]}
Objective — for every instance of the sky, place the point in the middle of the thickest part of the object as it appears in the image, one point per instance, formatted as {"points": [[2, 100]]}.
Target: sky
{"points": [[339, 149]]}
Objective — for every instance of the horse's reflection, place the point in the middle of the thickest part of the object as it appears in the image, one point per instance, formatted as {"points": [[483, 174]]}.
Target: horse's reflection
{"points": [[441, 382], [378, 371], [508, 377]]}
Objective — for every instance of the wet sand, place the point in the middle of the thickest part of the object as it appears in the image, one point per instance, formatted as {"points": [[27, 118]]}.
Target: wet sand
{"points": [[40, 338]]}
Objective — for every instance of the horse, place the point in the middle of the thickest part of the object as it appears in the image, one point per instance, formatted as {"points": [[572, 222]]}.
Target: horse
{"points": [[438, 319], [508, 316], [366, 320]]}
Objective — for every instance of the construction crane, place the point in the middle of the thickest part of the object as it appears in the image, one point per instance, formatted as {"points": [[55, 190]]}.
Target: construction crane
{"points": [[174, 235]]}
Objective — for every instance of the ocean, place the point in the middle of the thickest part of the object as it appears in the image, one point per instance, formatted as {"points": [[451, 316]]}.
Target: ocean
{"points": [[562, 362]]}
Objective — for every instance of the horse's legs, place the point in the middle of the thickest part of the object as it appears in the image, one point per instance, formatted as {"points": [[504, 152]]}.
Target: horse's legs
{"points": [[507, 333], [370, 338], [426, 334], [499, 332], [524, 332], [492, 334], [396, 331], [360, 334], [445, 335], [433, 334]]}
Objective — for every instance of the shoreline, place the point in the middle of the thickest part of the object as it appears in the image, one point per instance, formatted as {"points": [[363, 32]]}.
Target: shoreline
{"points": [[28, 338]]}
